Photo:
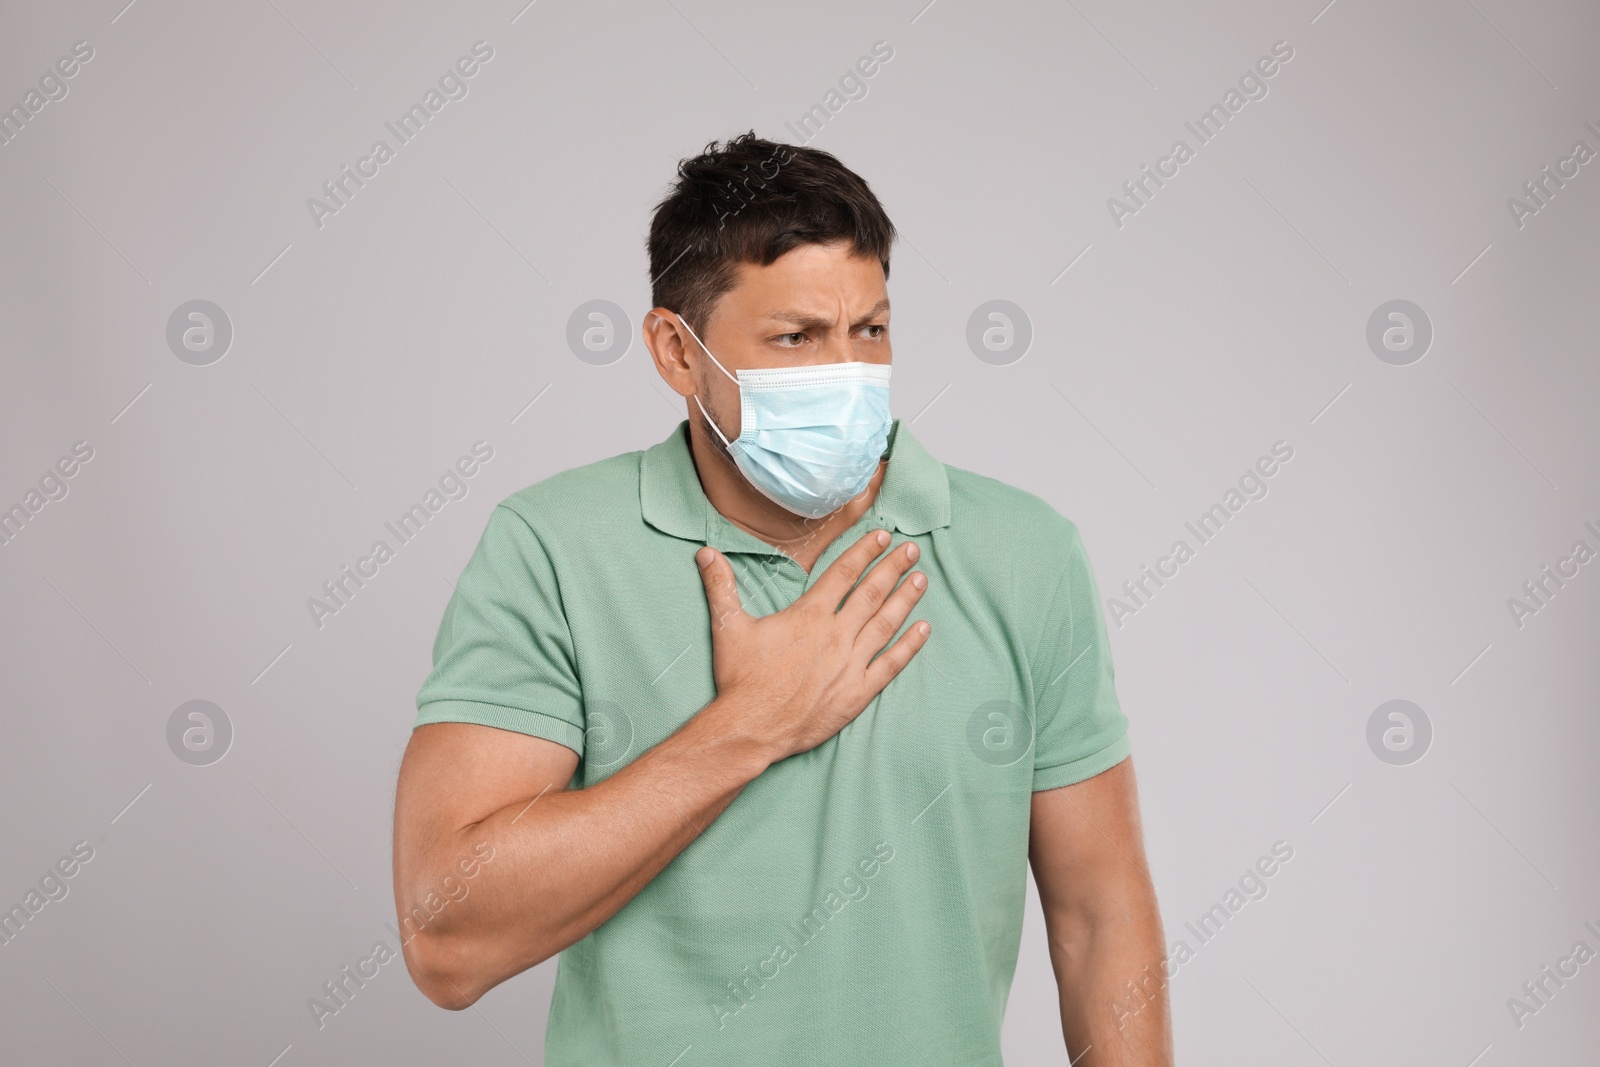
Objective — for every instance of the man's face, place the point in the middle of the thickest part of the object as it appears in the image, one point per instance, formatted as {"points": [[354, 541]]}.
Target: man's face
{"points": [[814, 304]]}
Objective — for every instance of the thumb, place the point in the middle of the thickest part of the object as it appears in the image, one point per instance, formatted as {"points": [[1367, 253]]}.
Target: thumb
{"points": [[722, 592]]}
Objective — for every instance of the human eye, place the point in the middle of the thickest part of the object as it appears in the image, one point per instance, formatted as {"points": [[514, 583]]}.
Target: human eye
{"points": [[798, 337], [880, 329]]}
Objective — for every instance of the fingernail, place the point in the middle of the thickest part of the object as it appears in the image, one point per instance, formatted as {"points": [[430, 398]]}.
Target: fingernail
{"points": [[704, 557], [919, 580], [882, 537], [912, 551]]}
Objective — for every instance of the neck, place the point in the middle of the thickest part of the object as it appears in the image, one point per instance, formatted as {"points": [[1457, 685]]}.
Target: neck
{"points": [[802, 539]]}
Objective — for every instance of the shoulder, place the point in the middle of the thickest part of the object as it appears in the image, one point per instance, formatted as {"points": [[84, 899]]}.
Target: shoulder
{"points": [[1020, 546], [568, 502], [1009, 519]]}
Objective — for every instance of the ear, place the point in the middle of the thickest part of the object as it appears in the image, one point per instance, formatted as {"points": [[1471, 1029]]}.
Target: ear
{"points": [[668, 345]]}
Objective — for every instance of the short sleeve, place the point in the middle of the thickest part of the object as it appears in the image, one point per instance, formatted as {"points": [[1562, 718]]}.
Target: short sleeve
{"points": [[1079, 728], [503, 656]]}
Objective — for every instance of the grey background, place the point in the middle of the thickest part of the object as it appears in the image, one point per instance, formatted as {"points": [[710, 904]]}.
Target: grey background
{"points": [[1228, 314]]}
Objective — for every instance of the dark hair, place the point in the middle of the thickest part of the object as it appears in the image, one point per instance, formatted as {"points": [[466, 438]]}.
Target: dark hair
{"points": [[750, 200]]}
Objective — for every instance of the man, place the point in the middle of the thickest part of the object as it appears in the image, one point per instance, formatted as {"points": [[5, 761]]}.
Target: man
{"points": [[763, 813]]}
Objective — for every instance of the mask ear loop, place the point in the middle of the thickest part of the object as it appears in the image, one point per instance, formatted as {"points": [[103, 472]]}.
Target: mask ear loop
{"points": [[721, 368]]}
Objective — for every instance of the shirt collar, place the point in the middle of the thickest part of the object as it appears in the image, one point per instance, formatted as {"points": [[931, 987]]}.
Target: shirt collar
{"points": [[913, 498]]}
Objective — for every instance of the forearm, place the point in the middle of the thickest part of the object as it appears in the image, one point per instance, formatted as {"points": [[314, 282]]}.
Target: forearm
{"points": [[565, 861], [1113, 987]]}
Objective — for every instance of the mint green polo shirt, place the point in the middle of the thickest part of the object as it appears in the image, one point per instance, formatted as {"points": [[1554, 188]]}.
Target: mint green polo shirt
{"points": [[858, 903]]}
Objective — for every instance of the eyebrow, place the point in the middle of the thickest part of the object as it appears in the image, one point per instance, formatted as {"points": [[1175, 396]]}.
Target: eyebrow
{"points": [[807, 320]]}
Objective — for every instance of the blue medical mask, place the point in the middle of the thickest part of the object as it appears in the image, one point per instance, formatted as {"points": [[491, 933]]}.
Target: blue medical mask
{"points": [[810, 438]]}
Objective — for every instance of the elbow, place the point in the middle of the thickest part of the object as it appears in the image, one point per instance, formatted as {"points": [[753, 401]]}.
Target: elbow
{"points": [[440, 972], [454, 971]]}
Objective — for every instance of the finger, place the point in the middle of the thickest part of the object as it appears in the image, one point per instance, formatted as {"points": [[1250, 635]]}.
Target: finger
{"points": [[842, 573], [874, 590], [722, 592], [883, 624], [881, 671]]}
